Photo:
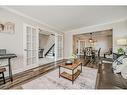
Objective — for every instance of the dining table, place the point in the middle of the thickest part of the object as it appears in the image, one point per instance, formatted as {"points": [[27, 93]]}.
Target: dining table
{"points": [[93, 51]]}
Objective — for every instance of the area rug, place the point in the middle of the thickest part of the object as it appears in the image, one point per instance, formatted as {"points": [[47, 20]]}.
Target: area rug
{"points": [[51, 80]]}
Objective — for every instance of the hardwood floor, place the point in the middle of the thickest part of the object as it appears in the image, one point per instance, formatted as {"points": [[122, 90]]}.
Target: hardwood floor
{"points": [[29, 75], [105, 79], [109, 80]]}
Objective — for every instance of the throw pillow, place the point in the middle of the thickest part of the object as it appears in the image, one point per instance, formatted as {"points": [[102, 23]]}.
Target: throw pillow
{"points": [[118, 64]]}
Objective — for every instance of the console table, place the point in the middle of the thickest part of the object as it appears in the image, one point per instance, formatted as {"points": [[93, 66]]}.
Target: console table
{"points": [[72, 67], [8, 56]]}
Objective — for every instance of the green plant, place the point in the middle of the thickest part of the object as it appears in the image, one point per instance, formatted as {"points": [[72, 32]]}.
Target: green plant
{"points": [[120, 51], [72, 56]]}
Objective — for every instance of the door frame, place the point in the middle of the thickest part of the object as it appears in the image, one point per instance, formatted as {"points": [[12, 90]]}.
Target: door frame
{"points": [[56, 46], [26, 67]]}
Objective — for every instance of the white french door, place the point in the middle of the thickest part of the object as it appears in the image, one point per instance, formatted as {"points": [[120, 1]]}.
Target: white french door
{"points": [[30, 46], [81, 46], [58, 47]]}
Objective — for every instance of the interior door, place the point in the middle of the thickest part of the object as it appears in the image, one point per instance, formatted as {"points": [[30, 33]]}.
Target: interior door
{"points": [[81, 47], [30, 46], [58, 47]]}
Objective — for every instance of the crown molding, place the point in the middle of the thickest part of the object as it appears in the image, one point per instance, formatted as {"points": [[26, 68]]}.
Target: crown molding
{"points": [[31, 18]]}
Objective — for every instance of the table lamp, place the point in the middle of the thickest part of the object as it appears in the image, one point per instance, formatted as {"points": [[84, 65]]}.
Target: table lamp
{"points": [[122, 42]]}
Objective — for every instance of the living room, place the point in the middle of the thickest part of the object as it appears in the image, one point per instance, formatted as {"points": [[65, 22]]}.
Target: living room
{"points": [[27, 73]]}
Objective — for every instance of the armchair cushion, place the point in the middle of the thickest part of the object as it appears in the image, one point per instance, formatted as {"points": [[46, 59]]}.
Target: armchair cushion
{"points": [[124, 69], [119, 64]]}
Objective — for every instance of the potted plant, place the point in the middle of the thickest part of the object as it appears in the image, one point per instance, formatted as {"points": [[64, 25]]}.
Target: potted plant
{"points": [[120, 51], [71, 59]]}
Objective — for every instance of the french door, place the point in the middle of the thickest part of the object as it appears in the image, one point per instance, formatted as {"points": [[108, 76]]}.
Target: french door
{"points": [[58, 47], [81, 46], [30, 46]]}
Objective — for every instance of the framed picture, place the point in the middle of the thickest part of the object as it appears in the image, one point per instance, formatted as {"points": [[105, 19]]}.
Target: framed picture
{"points": [[1, 27], [8, 27]]}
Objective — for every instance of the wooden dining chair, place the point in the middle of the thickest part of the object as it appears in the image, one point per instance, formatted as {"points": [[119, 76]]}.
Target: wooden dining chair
{"points": [[99, 53], [2, 70]]}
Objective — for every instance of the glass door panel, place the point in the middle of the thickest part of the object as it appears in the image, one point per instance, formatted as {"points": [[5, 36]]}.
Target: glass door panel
{"points": [[59, 47]]}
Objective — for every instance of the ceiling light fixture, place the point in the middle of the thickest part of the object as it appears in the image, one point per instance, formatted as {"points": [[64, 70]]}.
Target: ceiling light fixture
{"points": [[91, 39]]}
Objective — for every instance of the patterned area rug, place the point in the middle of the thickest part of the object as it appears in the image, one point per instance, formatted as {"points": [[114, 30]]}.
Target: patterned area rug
{"points": [[86, 80]]}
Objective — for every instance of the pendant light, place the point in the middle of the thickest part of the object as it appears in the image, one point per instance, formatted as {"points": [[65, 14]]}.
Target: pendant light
{"points": [[90, 39]]}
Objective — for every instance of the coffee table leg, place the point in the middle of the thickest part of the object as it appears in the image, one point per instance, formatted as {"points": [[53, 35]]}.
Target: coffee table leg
{"points": [[59, 71]]}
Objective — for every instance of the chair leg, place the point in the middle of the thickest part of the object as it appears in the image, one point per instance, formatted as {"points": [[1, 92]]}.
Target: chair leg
{"points": [[3, 77]]}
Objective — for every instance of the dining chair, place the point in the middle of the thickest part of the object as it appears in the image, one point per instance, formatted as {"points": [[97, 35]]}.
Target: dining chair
{"points": [[98, 54], [88, 52]]}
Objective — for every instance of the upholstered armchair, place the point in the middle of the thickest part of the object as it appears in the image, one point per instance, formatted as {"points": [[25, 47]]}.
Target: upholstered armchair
{"points": [[120, 66]]}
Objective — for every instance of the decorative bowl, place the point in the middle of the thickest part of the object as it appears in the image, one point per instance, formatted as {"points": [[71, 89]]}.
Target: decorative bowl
{"points": [[68, 62]]}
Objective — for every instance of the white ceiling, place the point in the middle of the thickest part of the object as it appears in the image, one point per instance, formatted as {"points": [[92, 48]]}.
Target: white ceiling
{"points": [[67, 18]]}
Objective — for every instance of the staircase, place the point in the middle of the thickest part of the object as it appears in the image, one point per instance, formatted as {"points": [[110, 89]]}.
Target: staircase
{"points": [[49, 48], [50, 53]]}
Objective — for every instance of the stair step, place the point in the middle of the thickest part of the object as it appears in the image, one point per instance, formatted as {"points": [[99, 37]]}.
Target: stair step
{"points": [[50, 54]]}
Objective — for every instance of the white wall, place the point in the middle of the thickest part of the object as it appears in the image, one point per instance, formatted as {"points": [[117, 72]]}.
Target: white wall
{"points": [[119, 31], [104, 43], [14, 42], [43, 39]]}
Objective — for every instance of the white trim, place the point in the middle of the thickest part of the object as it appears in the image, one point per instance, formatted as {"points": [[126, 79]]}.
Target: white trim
{"points": [[18, 71], [29, 17], [24, 45], [56, 46], [38, 27]]}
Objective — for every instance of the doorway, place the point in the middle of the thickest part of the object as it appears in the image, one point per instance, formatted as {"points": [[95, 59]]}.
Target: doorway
{"points": [[41, 47], [96, 40], [46, 47]]}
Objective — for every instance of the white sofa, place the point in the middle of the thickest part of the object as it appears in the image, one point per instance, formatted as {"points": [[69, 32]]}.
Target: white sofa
{"points": [[120, 66], [124, 69]]}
